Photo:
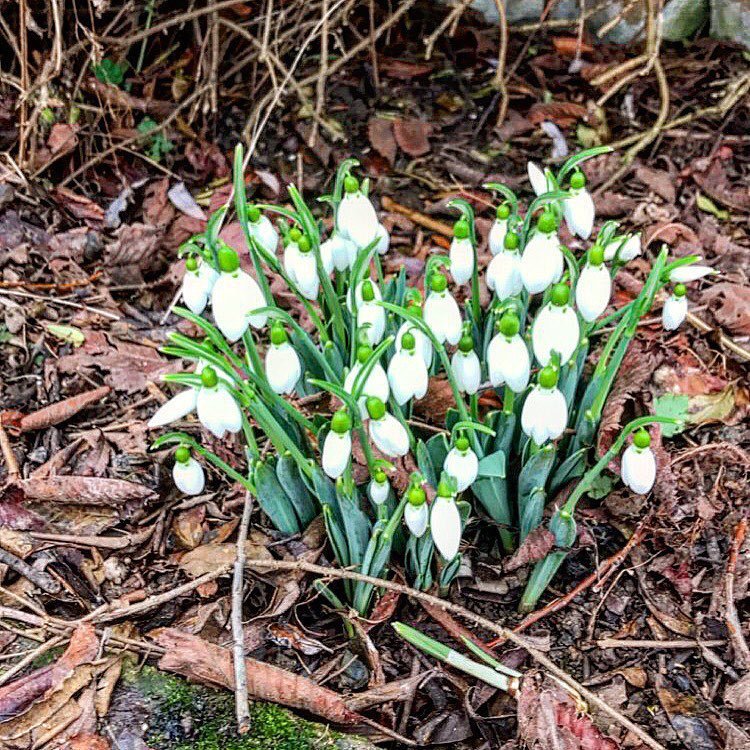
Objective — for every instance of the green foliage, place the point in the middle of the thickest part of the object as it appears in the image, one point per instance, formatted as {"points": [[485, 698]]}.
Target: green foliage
{"points": [[109, 71], [156, 142], [674, 406]]}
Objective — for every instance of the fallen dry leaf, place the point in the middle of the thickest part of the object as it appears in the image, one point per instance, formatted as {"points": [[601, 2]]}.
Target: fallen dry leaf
{"points": [[382, 138], [658, 180], [412, 136], [81, 207], [84, 490], [62, 138], [730, 304], [188, 527], [536, 545], [132, 253], [711, 177], [570, 46], [403, 69], [212, 557], [561, 113], [62, 410], [737, 695]]}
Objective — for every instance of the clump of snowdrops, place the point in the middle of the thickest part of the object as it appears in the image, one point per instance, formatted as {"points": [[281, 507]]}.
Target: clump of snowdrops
{"points": [[375, 343]]}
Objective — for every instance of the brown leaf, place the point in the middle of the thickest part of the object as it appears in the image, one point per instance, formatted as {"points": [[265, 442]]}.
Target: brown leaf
{"points": [[87, 742], [611, 204], [561, 113], [737, 695], [513, 125], [382, 139], [84, 490], [570, 46], [730, 304], [188, 526], [211, 557], [711, 177], [62, 410], [62, 138], [413, 136], [657, 180], [199, 660], [438, 399], [81, 207], [536, 546], [132, 253], [403, 69]]}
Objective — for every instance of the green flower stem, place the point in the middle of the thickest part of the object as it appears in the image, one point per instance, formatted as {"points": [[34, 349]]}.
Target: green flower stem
{"points": [[367, 368], [467, 212], [580, 157], [213, 334], [554, 196], [252, 357], [474, 405], [507, 193], [509, 398]]}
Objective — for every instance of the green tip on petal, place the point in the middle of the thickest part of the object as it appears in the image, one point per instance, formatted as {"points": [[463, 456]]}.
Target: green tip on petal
{"points": [[577, 180], [438, 282], [295, 234], [191, 263], [363, 353], [503, 211], [680, 290], [509, 324], [182, 454], [228, 259], [253, 214], [341, 422], [444, 489], [466, 344], [642, 439], [547, 222], [351, 185], [278, 334], [548, 377], [375, 408], [596, 255], [209, 377], [416, 496], [511, 241], [461, 229], [368, 293], [560, 295], [408, 342], [462, 444]]}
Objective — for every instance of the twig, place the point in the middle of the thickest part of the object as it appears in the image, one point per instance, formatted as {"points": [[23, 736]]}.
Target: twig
{"points": [[30, 657], [741, 650], [724, 340], [482, 622], [242, 706], [11, 464], [500, 82], [322, 74], [454, 15], [676, 644], [39, 578], [54, 286], [417, 217]]}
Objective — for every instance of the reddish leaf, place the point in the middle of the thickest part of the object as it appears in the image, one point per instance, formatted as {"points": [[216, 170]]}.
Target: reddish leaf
{"points": [[413, 136], [81, 207], [62, 138], [84, 490], [657, 180], [382, 139], [561, 113], [536, 546], [570, 46], [63, 410], [711, 177], [403, 69]]}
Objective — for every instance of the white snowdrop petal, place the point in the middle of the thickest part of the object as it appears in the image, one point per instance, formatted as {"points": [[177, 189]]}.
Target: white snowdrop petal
{"points": [[686, 274], [265, 233], [176, 408], [445, 526], [496, 239], [462, 466], [306, 271], [467, 370], [356, 219], [291, 254], [400, 376], [541, 262], [443, 316], [555, 329], [384, 240], [593, 291], [638, 469], [509, 362], [195, 291], [337, 448], [558, 414], [504, 274], [373, 316], [579, 212], [283, 368], [189, 477], [210, 411], [462, 260], [624, 248], [233, 298], [416, 518], [389, 435], [378, 491], [674, 312], [537, 178], [422, 343], [544, 414]]}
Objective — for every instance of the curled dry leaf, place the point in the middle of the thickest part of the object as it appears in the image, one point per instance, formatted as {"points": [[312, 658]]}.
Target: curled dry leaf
{"points": [[536, 546], [382, 139], [199, 660], [730, 304], [563, 114], [63, 410], [84, 490], [413, 136]]}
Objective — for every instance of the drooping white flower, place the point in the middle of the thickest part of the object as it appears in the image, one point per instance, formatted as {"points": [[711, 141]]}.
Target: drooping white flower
{"points": [[388, 434], [262, 230], [594, 286], [337, 252], [283, 368], [197, 283], [177, 407], [407, 373], [234, 297], [638, 466], [365, 290], [508, 359], [686, 274], [624, 248], [384, 240], [356, 218], [542, 259], [375, 385], [556, 328], [337, 446], [187, 473], [441, 312], [462, 464], [498, 230], [416, 512], [217, 410], [466, 366], [291, 253], [379, 488], [422, 342], [545, 412], [371, 317], [504, 271], [537, 177], [675, 309], [461, 253], [445, 525], [578, 208], [306, 270]]}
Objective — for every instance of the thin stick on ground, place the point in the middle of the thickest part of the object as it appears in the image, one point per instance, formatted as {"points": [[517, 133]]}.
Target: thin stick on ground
{"points": [[242, 705], [38, 577], [500, 81], [734, 627]]}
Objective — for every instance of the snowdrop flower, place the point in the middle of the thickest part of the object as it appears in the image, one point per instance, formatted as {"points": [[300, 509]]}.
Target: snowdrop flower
{"points": [[262, 230], [357, 295], [508, 358], [461, 253], [686, 274], [542, 259], [388, 434], [384, 240], [234, 297], [217, 410], [537, 178], [379, 487], [283, 368], [675, 308], [337, 447], [545, 413], [638, 465], [441, 311], [356, 218], [578, 208], [187, 472], [504, 270], [594, 286], [177, 407], [462, 464], [370, 315], [197, 283], [376, 384], [407, 372], [305, 269], [466, 366], [421, 340], [623, 248], [445, 522], [416, 513], [291, 253], [499, 229], [556, 328], [337, 252]]}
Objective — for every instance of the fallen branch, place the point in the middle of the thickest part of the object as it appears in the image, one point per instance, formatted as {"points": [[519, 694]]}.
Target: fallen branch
{"points": [[242, 706], [39, 578], [741, 650]]}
